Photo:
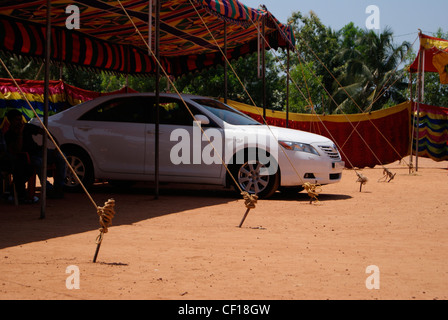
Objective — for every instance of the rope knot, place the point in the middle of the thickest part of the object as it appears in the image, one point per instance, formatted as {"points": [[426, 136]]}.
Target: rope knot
{"points": [[106, 214], [361, 178], [313, 190], [249, 200], [387, 175]]}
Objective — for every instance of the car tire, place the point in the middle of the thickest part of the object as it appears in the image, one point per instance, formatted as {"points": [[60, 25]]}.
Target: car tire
{"points": [[247, 177], [82, 165]]}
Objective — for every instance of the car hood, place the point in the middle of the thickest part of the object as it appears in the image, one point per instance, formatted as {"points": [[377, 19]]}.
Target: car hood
{"points": [[284, 134]]}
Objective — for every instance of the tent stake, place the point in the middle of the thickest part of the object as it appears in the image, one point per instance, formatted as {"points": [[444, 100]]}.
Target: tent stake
{"points": [[244, 217], [98, 245]]}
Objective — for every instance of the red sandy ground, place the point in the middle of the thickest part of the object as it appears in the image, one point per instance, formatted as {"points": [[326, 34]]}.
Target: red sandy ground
{"points": [[186, 244]]}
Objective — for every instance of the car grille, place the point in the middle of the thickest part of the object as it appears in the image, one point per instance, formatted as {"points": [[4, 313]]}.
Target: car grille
{"points": [[331, 152]]}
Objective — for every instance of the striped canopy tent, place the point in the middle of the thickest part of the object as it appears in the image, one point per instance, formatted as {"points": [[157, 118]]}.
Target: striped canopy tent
{"points": [[192, 33], [189, 35]]}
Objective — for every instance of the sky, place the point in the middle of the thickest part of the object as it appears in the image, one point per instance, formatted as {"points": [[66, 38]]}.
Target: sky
{"points": [[404, 17]]}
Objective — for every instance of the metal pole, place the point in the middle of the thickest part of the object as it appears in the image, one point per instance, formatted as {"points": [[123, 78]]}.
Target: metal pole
{"points": [[263, 57], [46, 101], [150, 27], [287, 87], [157, 102], [419, 99], [412, 122], [225, 63]]}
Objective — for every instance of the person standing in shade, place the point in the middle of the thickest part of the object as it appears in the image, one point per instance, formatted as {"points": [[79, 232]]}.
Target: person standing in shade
{"points": [[19, 139]]}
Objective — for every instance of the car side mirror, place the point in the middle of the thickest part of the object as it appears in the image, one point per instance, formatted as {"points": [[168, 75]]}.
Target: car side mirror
{"points": [[202, 119]]}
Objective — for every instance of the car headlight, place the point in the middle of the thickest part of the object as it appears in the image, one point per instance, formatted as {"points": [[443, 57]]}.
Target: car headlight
{"points": [[298, 146]]}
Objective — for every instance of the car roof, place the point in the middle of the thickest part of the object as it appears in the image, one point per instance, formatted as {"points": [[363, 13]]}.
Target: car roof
{"points": [[82, 107], [152, 94]]}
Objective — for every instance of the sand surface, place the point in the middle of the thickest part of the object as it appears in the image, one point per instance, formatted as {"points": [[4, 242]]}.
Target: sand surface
{"points": [[187, 244]]}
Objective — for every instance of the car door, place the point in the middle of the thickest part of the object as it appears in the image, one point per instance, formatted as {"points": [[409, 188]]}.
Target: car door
{"points": [[114, 134], [182, 151]]}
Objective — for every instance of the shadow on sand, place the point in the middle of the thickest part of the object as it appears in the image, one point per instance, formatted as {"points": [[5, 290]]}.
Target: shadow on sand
{"points": [[76, 213]]}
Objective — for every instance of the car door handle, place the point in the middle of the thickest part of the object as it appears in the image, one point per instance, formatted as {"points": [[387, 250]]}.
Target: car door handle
{"points": [[84, 128]]}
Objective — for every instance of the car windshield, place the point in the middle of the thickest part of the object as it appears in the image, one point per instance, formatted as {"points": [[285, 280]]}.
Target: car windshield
{"points": [[226, 113]]}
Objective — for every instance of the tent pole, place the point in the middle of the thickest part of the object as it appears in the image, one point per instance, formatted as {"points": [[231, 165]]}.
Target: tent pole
{"points": [[287, 88], [225, 63], [263, 57], [419, 100], [157, 102], [150, 27], [43, 181], [412, 122]]}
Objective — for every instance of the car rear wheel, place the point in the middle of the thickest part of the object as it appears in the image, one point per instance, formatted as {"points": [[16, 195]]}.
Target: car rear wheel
{"points": [[82, 165]]}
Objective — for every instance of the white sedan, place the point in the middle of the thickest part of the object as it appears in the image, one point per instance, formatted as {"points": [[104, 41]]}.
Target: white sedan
{"points": [[201, 140]]}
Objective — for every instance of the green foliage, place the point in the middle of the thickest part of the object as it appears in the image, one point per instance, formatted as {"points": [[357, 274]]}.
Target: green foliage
{"points": [[243, 83], [306, 90], [316, 46], [356, 67], [370, 69]]}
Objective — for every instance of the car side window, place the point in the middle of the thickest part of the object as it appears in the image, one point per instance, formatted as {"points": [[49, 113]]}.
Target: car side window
{"points": [[126, 109], [173, 111]]}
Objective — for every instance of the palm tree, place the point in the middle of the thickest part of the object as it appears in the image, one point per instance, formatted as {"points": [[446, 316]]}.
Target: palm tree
{"points": [[371, 79]]}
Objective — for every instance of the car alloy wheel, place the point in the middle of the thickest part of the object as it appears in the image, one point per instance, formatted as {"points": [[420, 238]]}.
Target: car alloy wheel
{"points": [[250, 178]]}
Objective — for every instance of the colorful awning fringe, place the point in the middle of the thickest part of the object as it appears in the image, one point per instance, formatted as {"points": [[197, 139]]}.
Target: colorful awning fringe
{"points": [[108, 41], [62, 96]]}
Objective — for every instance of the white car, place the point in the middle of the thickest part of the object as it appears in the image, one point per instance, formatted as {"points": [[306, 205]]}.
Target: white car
{"points": [[114, 137]]}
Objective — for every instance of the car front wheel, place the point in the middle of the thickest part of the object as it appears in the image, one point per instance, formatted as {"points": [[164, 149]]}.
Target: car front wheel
{"points": [[254, 177]]}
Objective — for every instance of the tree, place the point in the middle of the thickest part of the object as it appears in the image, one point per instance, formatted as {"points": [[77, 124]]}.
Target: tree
{"points": [[316, 46], [306, 91], [370, 79], [244, 86]]}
